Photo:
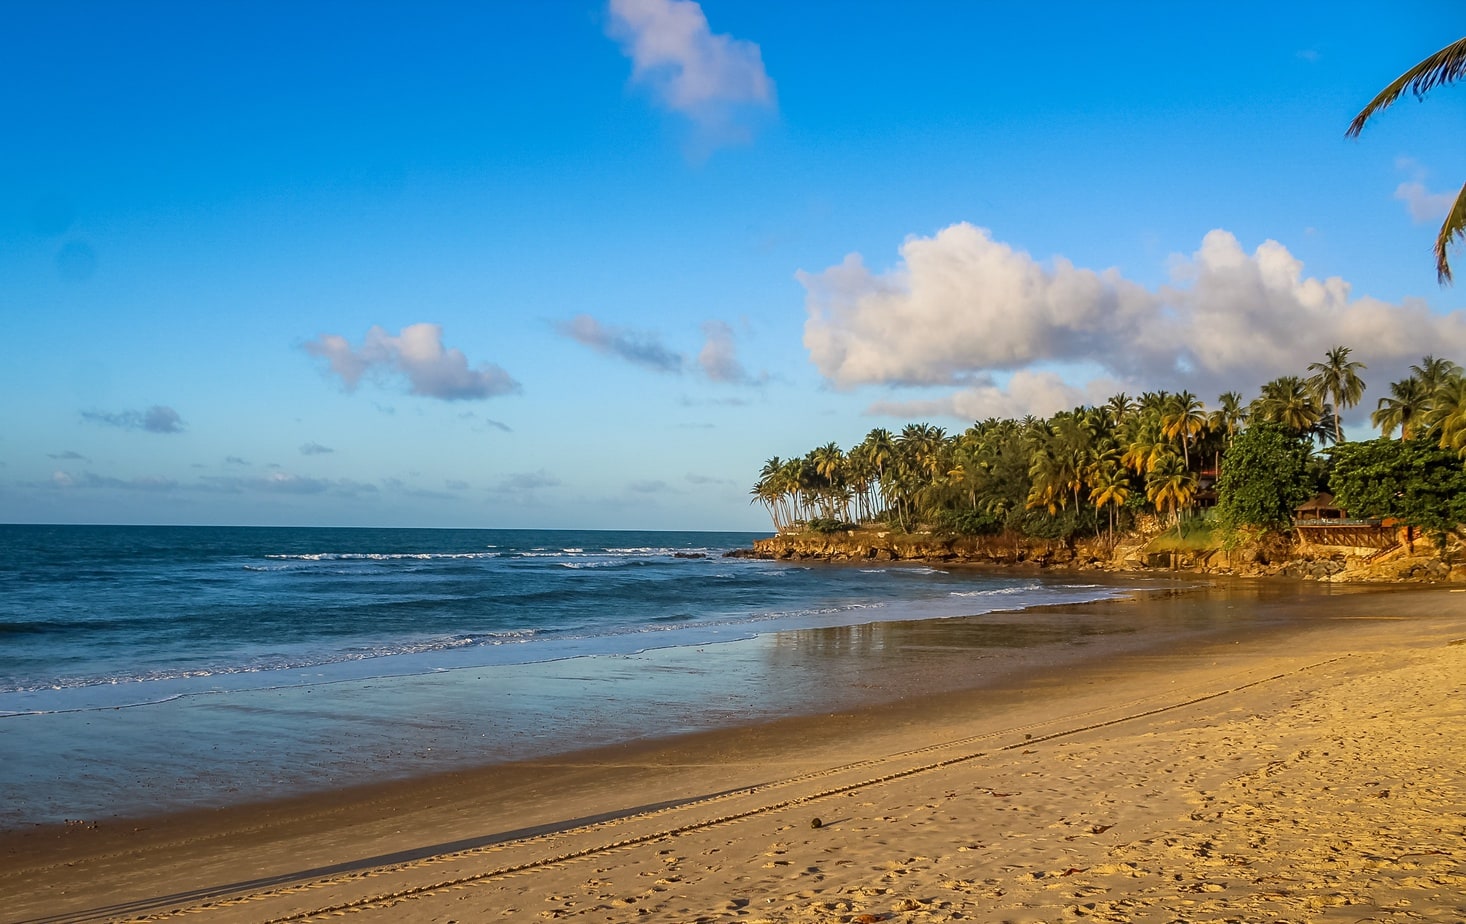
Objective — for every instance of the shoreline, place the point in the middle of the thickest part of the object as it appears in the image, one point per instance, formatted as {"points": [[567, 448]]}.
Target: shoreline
{"points": [[256, 743], [414, 827]]}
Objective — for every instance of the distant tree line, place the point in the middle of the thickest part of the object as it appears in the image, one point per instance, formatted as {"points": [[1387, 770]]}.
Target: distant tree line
{"points": [[1094, 470]]}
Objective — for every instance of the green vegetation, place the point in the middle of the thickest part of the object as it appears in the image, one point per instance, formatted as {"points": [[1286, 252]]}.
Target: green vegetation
{"points": [[1156, 459], [1417, 481], [1265, 480]]}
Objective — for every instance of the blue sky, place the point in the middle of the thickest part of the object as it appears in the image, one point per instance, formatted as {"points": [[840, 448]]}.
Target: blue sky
{"points": [[588, 264]]}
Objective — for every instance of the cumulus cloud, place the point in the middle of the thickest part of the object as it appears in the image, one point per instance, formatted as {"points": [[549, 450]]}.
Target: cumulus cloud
{"points": [[961, 307], [156, 419], [416, 354], [715, 80], [637, 347], [1041, 393]]}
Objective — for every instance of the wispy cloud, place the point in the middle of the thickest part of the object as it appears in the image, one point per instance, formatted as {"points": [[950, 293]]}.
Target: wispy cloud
{"points": [[66, 480], [315, 449], [717, 360], [717, 81], [520, 482], [643, 349], [157, 419], [719, 357], [279, 482], [69, 455], [1423, 205], [416, 354], [694, 478]]}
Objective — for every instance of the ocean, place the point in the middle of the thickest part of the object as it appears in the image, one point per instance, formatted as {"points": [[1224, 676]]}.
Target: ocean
{"points": [[149, 668]]}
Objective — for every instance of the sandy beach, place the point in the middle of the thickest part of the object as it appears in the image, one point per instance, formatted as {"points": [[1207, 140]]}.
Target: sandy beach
{"points": [[1301, 775]]}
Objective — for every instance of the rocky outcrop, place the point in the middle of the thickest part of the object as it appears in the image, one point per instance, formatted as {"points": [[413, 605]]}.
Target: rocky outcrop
{"points": [[1271, 555]]}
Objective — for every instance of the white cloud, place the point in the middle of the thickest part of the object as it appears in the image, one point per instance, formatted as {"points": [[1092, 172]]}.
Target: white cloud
{"points": [[1424, 206], [1041, 393], [960, 307], [710, 78], [418, 354], [719, 356]]}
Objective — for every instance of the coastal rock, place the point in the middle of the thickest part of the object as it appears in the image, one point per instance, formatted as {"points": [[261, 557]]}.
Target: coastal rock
{"points": [[1268, 555]]}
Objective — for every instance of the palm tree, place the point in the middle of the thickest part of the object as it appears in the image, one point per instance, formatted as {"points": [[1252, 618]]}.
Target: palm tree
{"points": [[1338, 378], [1170, 486], [1406, 404], [1289, 403], [1111, 489], [1448, 413], [1229, 416], [1434, 372], [1445, 66], [1120, 407], [880, 449], [1183, 418]]}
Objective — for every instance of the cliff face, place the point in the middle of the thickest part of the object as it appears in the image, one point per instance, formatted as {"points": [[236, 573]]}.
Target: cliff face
{"points": [[1274, 556]]}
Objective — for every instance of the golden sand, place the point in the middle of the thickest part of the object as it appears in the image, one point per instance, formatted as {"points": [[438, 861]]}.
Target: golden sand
{"points": [[1319, 780]]}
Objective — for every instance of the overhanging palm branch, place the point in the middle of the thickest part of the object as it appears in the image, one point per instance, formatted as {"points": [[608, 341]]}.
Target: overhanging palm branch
{"points": [[1453, 227], [1445, 66]]}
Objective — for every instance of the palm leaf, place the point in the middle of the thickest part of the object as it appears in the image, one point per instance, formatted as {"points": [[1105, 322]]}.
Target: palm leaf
{"points": [[1445, 66], [1454, 227]]}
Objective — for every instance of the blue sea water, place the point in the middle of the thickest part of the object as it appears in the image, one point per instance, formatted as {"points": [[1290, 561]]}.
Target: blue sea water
{"points": [[101, 616], [146, 669]]}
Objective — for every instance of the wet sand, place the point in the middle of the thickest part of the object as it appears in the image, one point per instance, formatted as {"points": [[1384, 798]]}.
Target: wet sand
{"points": [[1305, 765]]}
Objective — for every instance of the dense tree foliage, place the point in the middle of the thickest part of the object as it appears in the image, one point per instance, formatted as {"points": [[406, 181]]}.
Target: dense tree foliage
{"points": [[1093, 470], [1265, 478], [1415, 481]]}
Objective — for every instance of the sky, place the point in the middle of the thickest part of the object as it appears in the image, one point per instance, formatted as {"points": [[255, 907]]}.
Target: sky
{"points": [[588, 264]]}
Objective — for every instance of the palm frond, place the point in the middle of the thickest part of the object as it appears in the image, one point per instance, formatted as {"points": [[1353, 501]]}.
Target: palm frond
{"points": [[1445, 66], [1454, 227]]}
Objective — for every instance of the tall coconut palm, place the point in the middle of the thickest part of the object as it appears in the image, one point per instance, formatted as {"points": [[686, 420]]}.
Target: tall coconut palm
{"points": [[1448, 413], [1445, 66], [1110, 487], [1170, 486], [1183, 418], [1337, 377], [1404, 407], [1120, 407], [880, 450], [1289, 403], [1433, 372]]}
